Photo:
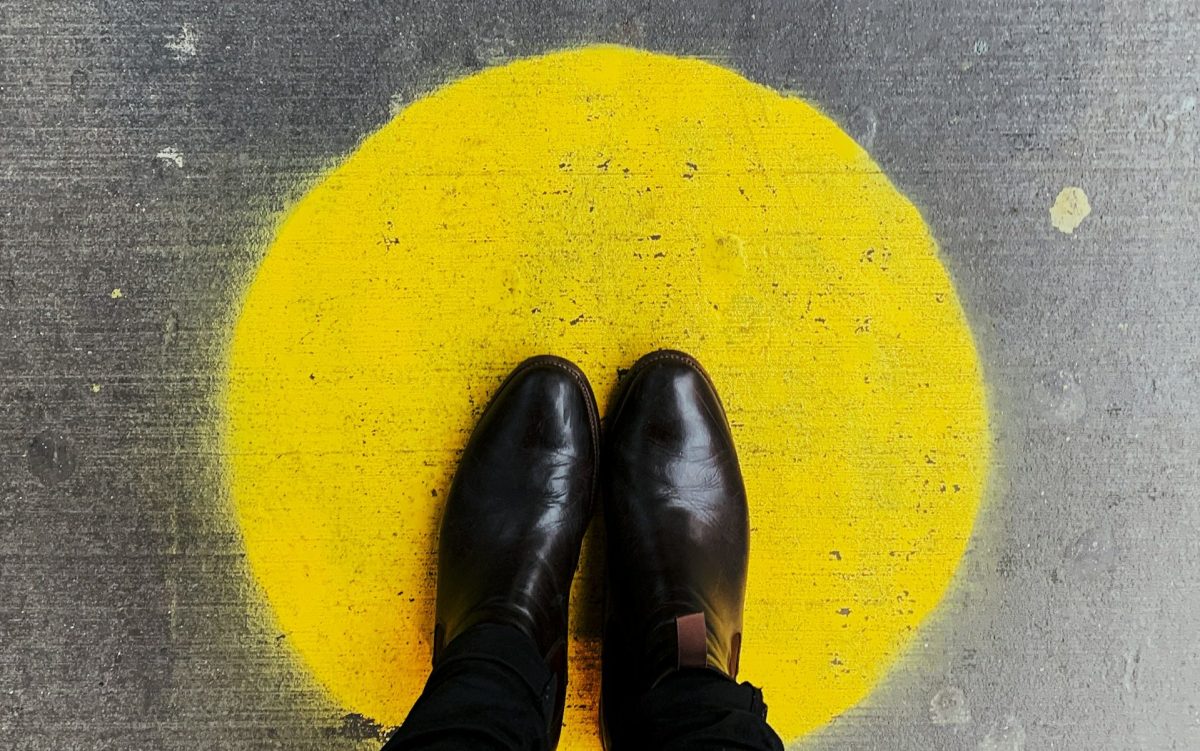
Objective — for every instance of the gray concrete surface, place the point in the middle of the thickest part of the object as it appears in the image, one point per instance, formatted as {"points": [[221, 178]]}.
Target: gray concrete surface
{"points": [[123, 594]]}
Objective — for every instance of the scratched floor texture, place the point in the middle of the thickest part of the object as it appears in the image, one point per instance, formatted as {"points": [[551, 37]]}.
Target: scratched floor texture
{"points": [[123, 612]]}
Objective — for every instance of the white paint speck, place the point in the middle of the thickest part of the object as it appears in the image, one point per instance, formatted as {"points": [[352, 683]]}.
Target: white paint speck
{"points": [[1069, 209], [171, 154], [1004, 735], [96, 388], [182, 45], [949, 707], [116, 294], [981, 47]]}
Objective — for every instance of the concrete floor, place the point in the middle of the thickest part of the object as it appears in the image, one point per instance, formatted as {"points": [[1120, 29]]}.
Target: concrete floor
{"points": [[141, 147]]}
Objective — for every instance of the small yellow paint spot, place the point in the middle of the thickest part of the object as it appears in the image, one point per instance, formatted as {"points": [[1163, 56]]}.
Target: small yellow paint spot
{"points": [[1070, 208], [723, 265], [116, 294], [598, 204], [96, 388]]}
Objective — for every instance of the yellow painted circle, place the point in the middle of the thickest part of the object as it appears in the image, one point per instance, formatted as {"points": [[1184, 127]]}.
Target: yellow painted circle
{"points": [[598, 204]]}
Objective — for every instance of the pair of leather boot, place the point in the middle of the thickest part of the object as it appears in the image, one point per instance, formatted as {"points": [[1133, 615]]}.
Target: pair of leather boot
{"points": [[674, 507]]}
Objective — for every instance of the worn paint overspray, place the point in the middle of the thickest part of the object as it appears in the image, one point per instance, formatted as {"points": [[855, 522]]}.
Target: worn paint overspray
{"points": [[600, 203]]}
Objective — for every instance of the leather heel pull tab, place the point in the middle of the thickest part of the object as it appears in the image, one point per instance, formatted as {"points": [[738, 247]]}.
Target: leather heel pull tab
{"points": [[735, 655], [691, 635]]}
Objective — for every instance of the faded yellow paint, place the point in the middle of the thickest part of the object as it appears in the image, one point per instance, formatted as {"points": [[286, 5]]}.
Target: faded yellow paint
{"points": [[1070, 208], [598, 204]]}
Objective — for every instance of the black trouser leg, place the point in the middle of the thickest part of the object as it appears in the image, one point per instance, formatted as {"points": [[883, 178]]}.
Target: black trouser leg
{"points": [[490, 690], [701, 709]]}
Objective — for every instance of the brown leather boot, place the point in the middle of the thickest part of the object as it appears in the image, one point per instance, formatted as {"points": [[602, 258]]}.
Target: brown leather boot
{"points": [[517, 512], [678, 535]]}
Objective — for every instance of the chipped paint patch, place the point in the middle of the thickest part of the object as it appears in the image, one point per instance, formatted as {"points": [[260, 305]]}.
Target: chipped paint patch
{"points": [[1004, 735], [1070, 208], [949, 707], [182, 45], [172, 155], [396, 104]]}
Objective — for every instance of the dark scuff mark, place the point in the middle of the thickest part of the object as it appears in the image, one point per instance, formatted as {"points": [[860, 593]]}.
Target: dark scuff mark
{"points": [[358, 727], [52, 458]]}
